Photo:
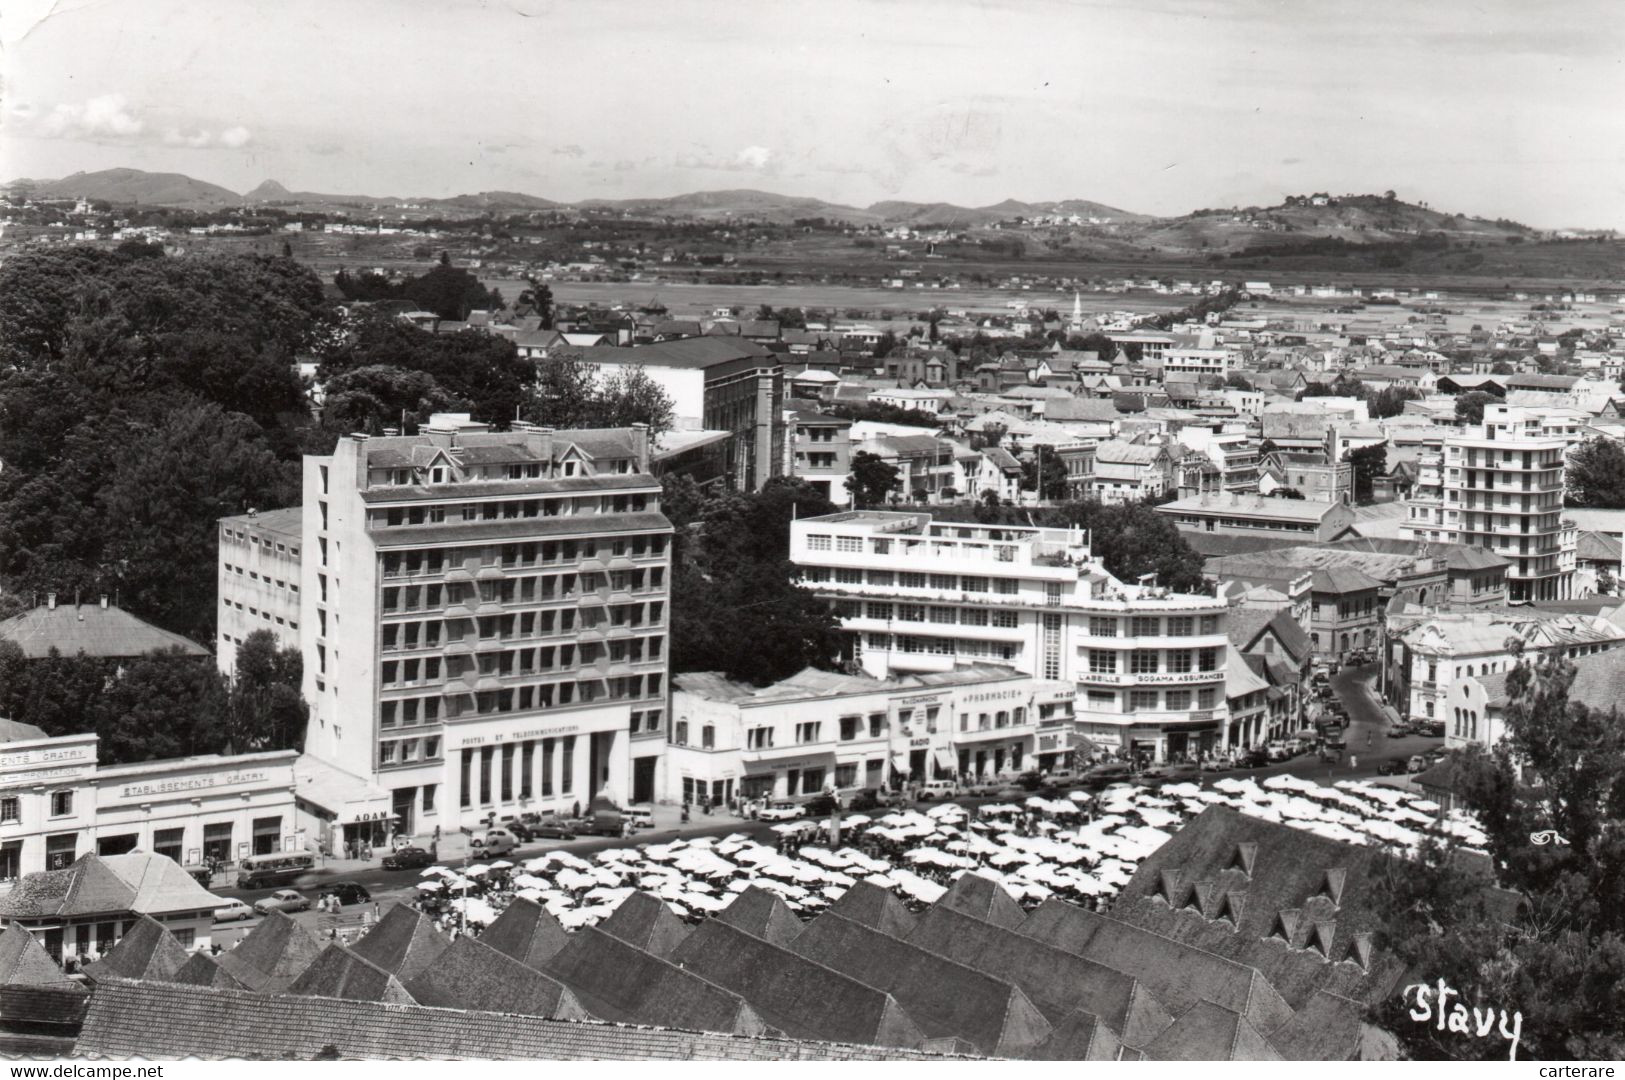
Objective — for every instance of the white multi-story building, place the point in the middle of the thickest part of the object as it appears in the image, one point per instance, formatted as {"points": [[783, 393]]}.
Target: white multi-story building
{"points": [[919, 596], [259, 580], [484, 624], [1499, 487], [821, 730]]}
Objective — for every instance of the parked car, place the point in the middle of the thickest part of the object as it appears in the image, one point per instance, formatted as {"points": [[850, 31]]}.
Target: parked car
{"points": [[518, 826], [782, 810], [1253, 759], [821, 806], [1064, 777], [1398, 731], [1277, 751], [983, 787], [283, 900], [1434, 756], [1155, 772], [348, 892], [1396, 767], [495, 842], [870, 799], [642, 817], [937, 789], [408, 858], [1218, 764], [233, 910], [1416, 764], [551, 827], [1180, 771], [1102, 775]]}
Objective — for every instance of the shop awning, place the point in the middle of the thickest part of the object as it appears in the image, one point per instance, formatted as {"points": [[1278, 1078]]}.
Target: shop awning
{"points": [[346, 796], [899, 764], [944, 758]]}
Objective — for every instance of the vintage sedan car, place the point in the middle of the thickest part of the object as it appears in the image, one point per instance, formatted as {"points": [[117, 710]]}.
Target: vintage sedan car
{"points": [[782, 810], [286, 901], [233, 910], [408, 858]]}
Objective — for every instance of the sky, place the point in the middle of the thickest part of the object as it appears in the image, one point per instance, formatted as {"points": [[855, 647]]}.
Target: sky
{"points": [[1502, 108]]}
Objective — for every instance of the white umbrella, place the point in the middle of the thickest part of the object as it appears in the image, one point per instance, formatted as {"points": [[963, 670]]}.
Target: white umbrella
{"points": [[501, 864], [435, 871], [430, 886], [1080, 796], [535, 896], [477, 870]]}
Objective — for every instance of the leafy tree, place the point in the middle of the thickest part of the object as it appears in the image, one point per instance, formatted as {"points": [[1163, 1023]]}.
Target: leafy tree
{"points": [[1561, 767], [1342, 386], [871, 479], [266, 707], [163, 705], [1287, 493], [884, 347], [632, 397], [1044, 472], [1237, 381], [570, 393], [1370, 463], [1390, 400], [536, 300], [1596, 474], [1501, 367], [1470, 406], [882, 413], [370, 399], [477, 368], [736, 607]]}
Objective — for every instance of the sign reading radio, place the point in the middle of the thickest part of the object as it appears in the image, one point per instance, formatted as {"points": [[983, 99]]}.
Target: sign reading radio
{"points": [[190, 783]]}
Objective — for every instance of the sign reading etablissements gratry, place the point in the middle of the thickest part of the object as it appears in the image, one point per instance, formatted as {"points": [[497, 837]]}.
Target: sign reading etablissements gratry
{"points": [[182, 784]]}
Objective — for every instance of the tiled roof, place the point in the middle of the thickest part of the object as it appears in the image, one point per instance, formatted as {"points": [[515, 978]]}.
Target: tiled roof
{"points": [[624, 984], [24, 962], [1177, 973], [98, 884], [200, 969], [17, 731], [146, 951], [1209, 1032], [1056, 981], [1079, 1036], [1344, 579], [1255, 506], [946, 999], [646, 922], [1327, 1028], [339, 973], [1295, 906], [762, 913], [161, 1020], [527, 932], [801, 998], [694, 352], [983, 898], [91, 629], [272, 955], [404, 943], [875, 907], [471, 975]]}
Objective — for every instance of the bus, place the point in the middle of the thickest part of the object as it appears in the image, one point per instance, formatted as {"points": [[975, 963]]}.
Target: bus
{"points": [[267, 871]]}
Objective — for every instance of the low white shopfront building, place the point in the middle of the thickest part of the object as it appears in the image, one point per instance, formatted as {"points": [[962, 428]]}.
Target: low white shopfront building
{"points": [[821, 730], [57, 804]]}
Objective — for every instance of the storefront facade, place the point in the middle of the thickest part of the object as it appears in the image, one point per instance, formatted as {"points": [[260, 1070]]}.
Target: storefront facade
{"points": [[56, 804], [820, 731]]}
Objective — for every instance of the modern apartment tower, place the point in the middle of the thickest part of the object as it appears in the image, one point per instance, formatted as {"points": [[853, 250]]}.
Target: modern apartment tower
{"points": [[919, 596], [1499, 487], [485, 619]]}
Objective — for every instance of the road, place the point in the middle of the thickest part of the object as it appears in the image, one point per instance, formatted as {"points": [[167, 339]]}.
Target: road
{"points": [[1368, 743]]}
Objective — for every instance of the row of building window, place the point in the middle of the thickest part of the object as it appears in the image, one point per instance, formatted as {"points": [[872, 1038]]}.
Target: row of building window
{"points": [[912, 580], [407, 751], [266, 615], [967, 647], [526, 590], [1153, 661], [440, 560], [61, 803], [946, 616], [396, 516], [254, 575], [290, 550]]}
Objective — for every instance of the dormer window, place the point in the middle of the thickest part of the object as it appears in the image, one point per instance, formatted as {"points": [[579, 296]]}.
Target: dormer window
{"points": [[403, 476], [516, 472], [569, 468], [437, 475]]}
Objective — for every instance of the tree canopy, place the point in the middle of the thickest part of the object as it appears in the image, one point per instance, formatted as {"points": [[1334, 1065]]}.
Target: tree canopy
{"points": [[1595, 474], [871, 479], [570, 392], [736, 607], [1560, 768], [1470, 406]]}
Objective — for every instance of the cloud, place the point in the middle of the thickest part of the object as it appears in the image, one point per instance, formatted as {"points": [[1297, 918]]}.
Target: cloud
{"points": [[756, 158], [107, 118], [571, 150], [200, 139]]}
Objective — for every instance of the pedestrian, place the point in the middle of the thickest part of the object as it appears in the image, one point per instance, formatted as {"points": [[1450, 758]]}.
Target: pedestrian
{"points": [[1354, 761]]}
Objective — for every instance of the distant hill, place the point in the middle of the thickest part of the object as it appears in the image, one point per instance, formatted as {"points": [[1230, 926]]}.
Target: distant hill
{"points": [[739, 202], [135, 186], [499, 200], [947, 214]]}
